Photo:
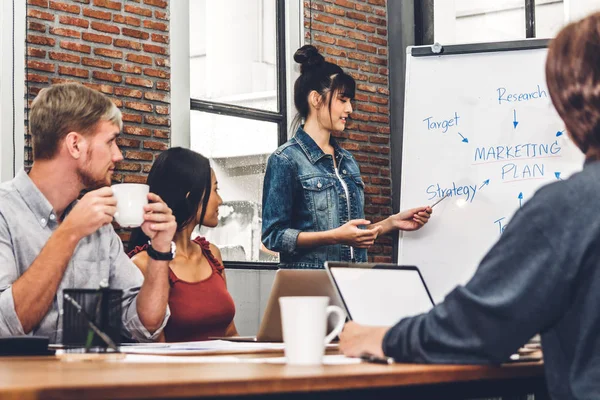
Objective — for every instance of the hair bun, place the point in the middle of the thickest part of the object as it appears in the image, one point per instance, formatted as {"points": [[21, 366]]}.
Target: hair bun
{"points": [[308, 57]]}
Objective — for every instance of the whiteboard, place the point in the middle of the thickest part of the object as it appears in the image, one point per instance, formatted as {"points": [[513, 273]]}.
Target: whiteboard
{"points": [[481, 128]]}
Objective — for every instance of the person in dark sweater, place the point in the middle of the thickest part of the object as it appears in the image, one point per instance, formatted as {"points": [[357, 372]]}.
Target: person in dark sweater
{"points": [[543, 275]]}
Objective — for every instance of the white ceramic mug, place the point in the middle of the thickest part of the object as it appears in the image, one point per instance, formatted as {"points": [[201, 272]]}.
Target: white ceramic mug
{"points": [[131, 199], [304, 324]]}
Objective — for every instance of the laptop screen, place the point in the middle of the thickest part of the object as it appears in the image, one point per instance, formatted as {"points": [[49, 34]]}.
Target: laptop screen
{"points": [[380, 294]]}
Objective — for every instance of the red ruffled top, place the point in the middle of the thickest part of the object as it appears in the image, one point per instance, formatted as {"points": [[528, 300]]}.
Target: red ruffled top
{"points": [[199, 310]]}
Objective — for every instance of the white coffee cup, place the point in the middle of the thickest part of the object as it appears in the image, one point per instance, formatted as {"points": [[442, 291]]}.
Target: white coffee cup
{"points": [[304, 324], [131, 199]]}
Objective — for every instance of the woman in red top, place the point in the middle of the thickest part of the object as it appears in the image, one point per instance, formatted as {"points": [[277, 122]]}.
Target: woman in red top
{"points": [[200, 304]]}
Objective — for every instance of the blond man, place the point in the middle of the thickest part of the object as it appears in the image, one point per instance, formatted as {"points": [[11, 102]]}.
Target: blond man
{"points": [[50, 241]]}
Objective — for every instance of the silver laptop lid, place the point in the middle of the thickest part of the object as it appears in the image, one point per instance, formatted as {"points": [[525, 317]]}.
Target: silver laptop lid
{"points": [[379, 294]]}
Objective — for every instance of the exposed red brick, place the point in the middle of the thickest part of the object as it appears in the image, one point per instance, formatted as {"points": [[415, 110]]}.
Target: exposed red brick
{"points": [[157, 26], [82, 48], [136, 58], [37, 78], [102, 27], [66, 20], [91, 62], [92, 37], [125, 142], [134, 105], [355, 15], [138, 10], [135, 179], [135, 33], [364, 8], [162, 62], [88, 12], [127, 44], [152, 145], [39, 3], [128, 166], [36, 26], [107, 89], [43, 41], [131, 117], [159, 38], [377, 21], [106, 76], [345, 22], [125, 19], [60, 6], [40, 66], [159, 133], [121, 91], [366, 48], [366, 28], [33, 52], [150, 48], [157, 3], [163, 110], [162, 97], [149, 119], [72, 71], [136, 130], [138, 82], [99, 51], [113, 5], [163, 85], [161, 15], [157, 73], [65, 32], [326, 19], [334, 10], [128, 68], [31, 13]]}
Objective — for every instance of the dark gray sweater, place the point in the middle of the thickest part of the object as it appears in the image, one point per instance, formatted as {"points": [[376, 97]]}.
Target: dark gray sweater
{"points": [[542, 276]]}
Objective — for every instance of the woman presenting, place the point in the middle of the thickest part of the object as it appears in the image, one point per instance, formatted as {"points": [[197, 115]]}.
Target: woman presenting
{"points": [[313, 195]]}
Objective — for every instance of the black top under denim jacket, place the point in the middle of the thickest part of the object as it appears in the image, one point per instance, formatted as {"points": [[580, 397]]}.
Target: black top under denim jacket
{"points": [[303, 193]]}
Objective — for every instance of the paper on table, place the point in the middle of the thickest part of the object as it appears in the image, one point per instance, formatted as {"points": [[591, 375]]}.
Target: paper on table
{"points": [[145, 358], [207, 346], [336, 359]]}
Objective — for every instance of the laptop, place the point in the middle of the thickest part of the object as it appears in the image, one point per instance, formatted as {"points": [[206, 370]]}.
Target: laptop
{"points": [[379, 294], [290, 282]]}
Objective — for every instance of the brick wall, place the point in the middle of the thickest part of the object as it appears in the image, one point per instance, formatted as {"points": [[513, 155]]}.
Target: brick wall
{"points": [[353, 34], [120, 48]]}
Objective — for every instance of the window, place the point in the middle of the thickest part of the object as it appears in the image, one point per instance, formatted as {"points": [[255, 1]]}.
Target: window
{"points": [[239, 112], [468, 21]]}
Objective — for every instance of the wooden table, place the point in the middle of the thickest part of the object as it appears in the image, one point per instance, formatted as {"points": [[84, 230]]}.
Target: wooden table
{"points": [[49, 378]]}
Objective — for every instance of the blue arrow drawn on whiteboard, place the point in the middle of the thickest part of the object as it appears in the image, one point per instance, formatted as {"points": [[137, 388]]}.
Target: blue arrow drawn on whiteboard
{"points": [[559, 133], [464, 139], [520, 199], [557, 175], [486, 182], [515, 122]]}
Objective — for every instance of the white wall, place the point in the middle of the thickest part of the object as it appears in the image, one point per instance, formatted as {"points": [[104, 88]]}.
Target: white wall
{"points": [[180, 72], [465, 21], [7, 64], [576, 9]]}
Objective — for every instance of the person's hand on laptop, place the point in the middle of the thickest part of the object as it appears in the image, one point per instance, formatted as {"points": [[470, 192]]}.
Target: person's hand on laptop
{"points": [[357, 340]]}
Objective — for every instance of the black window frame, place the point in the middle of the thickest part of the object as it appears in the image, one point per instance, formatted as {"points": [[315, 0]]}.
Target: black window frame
{"points": [[279, 117]]}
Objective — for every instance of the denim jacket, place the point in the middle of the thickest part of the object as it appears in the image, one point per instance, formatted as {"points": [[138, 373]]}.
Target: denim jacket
{"points": [[303, 193]]}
